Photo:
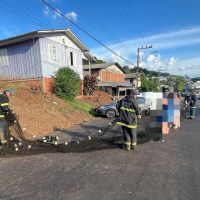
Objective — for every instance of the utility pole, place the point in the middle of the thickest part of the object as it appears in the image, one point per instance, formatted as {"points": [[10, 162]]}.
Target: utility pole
{"points": [[138, 62], [89, 69]]}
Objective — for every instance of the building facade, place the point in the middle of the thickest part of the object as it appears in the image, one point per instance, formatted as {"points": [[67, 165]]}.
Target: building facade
{"points": [[36, 57], [110, 76]]}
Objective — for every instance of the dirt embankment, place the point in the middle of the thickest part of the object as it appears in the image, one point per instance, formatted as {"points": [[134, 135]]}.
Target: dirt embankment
{"points": [[40, 114], [97, 99]]}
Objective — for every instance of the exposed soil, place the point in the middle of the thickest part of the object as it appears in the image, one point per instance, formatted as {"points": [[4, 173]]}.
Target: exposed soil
{"points": [[98, 98], [39, 114]]}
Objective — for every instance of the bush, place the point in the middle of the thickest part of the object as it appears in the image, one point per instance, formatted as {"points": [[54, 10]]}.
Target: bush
{"points": [[67, 83], [89, 84]]}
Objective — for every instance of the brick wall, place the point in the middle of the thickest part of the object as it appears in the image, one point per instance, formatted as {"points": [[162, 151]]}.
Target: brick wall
{"points": [[109, 76]]}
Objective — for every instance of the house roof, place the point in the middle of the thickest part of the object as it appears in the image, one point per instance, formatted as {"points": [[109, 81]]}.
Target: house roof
{"points": [[131, 75], [102, 66], [38, 33], [114, 84]]}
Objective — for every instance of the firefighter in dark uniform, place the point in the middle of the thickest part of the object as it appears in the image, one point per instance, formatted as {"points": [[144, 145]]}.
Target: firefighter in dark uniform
{"points": [[128, 115], [4, 108], [190, 101]]}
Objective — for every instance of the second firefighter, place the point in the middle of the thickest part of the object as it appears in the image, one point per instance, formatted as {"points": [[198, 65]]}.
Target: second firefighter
{"points": [[128, 114]]}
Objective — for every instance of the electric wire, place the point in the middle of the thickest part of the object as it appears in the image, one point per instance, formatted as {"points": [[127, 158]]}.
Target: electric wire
{"points": [[84, 31]]}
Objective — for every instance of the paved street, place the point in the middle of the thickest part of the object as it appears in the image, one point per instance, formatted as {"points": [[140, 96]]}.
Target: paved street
{"points": [[155, 171]]}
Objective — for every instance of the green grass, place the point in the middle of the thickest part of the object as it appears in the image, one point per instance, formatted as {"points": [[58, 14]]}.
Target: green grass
{"points": [[81, 106], [13, 86]]}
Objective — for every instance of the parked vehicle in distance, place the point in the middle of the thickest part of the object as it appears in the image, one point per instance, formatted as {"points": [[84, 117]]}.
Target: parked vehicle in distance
{"points": [[110, 110]]}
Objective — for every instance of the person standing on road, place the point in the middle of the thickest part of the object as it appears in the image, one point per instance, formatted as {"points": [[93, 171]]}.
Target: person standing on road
{"points": [[190, 103], [128, 115], [4, 107]]}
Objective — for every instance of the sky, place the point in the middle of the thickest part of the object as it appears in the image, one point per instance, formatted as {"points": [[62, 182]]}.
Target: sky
{"points": [[172, 27]]}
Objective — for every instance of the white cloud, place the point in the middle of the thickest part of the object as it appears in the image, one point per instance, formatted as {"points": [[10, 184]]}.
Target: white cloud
{"points": [[54, 15], [72, 16], [169, 40], [172, 61]]}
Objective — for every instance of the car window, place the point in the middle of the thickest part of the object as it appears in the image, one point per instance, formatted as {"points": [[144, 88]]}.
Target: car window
{"points": [[140, 100]]}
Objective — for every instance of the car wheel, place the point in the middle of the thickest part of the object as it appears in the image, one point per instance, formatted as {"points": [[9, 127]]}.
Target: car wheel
{"points": [[110, 113]]}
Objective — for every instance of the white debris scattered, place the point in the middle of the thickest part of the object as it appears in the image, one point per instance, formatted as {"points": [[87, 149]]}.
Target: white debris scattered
{"points": [[129, 192], [29, 146], [19, 143], [15, 145], [66, 143], [55, 103], [34, 136], [99, 131], [44, 141], [77, 142], [55, 143], [11, 138], [110, 123], [44, 138], [16, 149], [57, 138], [89, 137], [24, 129]]}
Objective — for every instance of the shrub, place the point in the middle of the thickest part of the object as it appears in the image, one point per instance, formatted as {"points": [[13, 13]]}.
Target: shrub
{"points": [[67, 83], [89, 84]]}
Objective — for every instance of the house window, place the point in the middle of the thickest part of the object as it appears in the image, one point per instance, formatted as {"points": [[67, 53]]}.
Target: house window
{"points": [[71, 59], [52, 53], [3, 58]]}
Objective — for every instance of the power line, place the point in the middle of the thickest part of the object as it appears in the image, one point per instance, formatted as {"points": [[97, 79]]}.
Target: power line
{"points": [[24, 15], [106, 30], [88, 34]]}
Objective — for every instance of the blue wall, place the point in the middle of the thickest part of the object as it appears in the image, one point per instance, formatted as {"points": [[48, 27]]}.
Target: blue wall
{"points": [[24, 61]]}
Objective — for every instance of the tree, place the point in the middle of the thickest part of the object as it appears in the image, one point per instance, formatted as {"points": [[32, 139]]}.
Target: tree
{"points": [[126, 69], [67, 83], [89, 84], [149, 85], [180, 84]]}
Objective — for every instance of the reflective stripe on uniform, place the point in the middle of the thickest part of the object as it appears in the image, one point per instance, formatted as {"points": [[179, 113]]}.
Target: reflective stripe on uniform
{"points": [[1, 116], [127, 109], [127, 143], [4, 104], [128, 126]]}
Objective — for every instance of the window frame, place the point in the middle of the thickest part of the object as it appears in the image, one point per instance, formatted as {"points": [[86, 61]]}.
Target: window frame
{"points": [[52, 51], [71, 58], [4, 58]]}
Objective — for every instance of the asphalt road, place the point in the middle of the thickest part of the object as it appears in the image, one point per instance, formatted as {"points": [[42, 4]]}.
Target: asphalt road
{"points": [[154, 171]]}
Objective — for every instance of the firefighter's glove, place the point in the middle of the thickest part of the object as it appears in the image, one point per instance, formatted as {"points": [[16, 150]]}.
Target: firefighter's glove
{"points": [[139, 116]]}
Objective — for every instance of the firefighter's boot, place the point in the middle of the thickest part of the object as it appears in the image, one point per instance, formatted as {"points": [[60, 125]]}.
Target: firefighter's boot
{"points": [[126, 147], [133, 145]]}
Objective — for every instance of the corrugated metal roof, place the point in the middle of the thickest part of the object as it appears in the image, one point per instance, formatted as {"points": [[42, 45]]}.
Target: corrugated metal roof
{"points": [[102, 66], [132, 75], [114, 84]]}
